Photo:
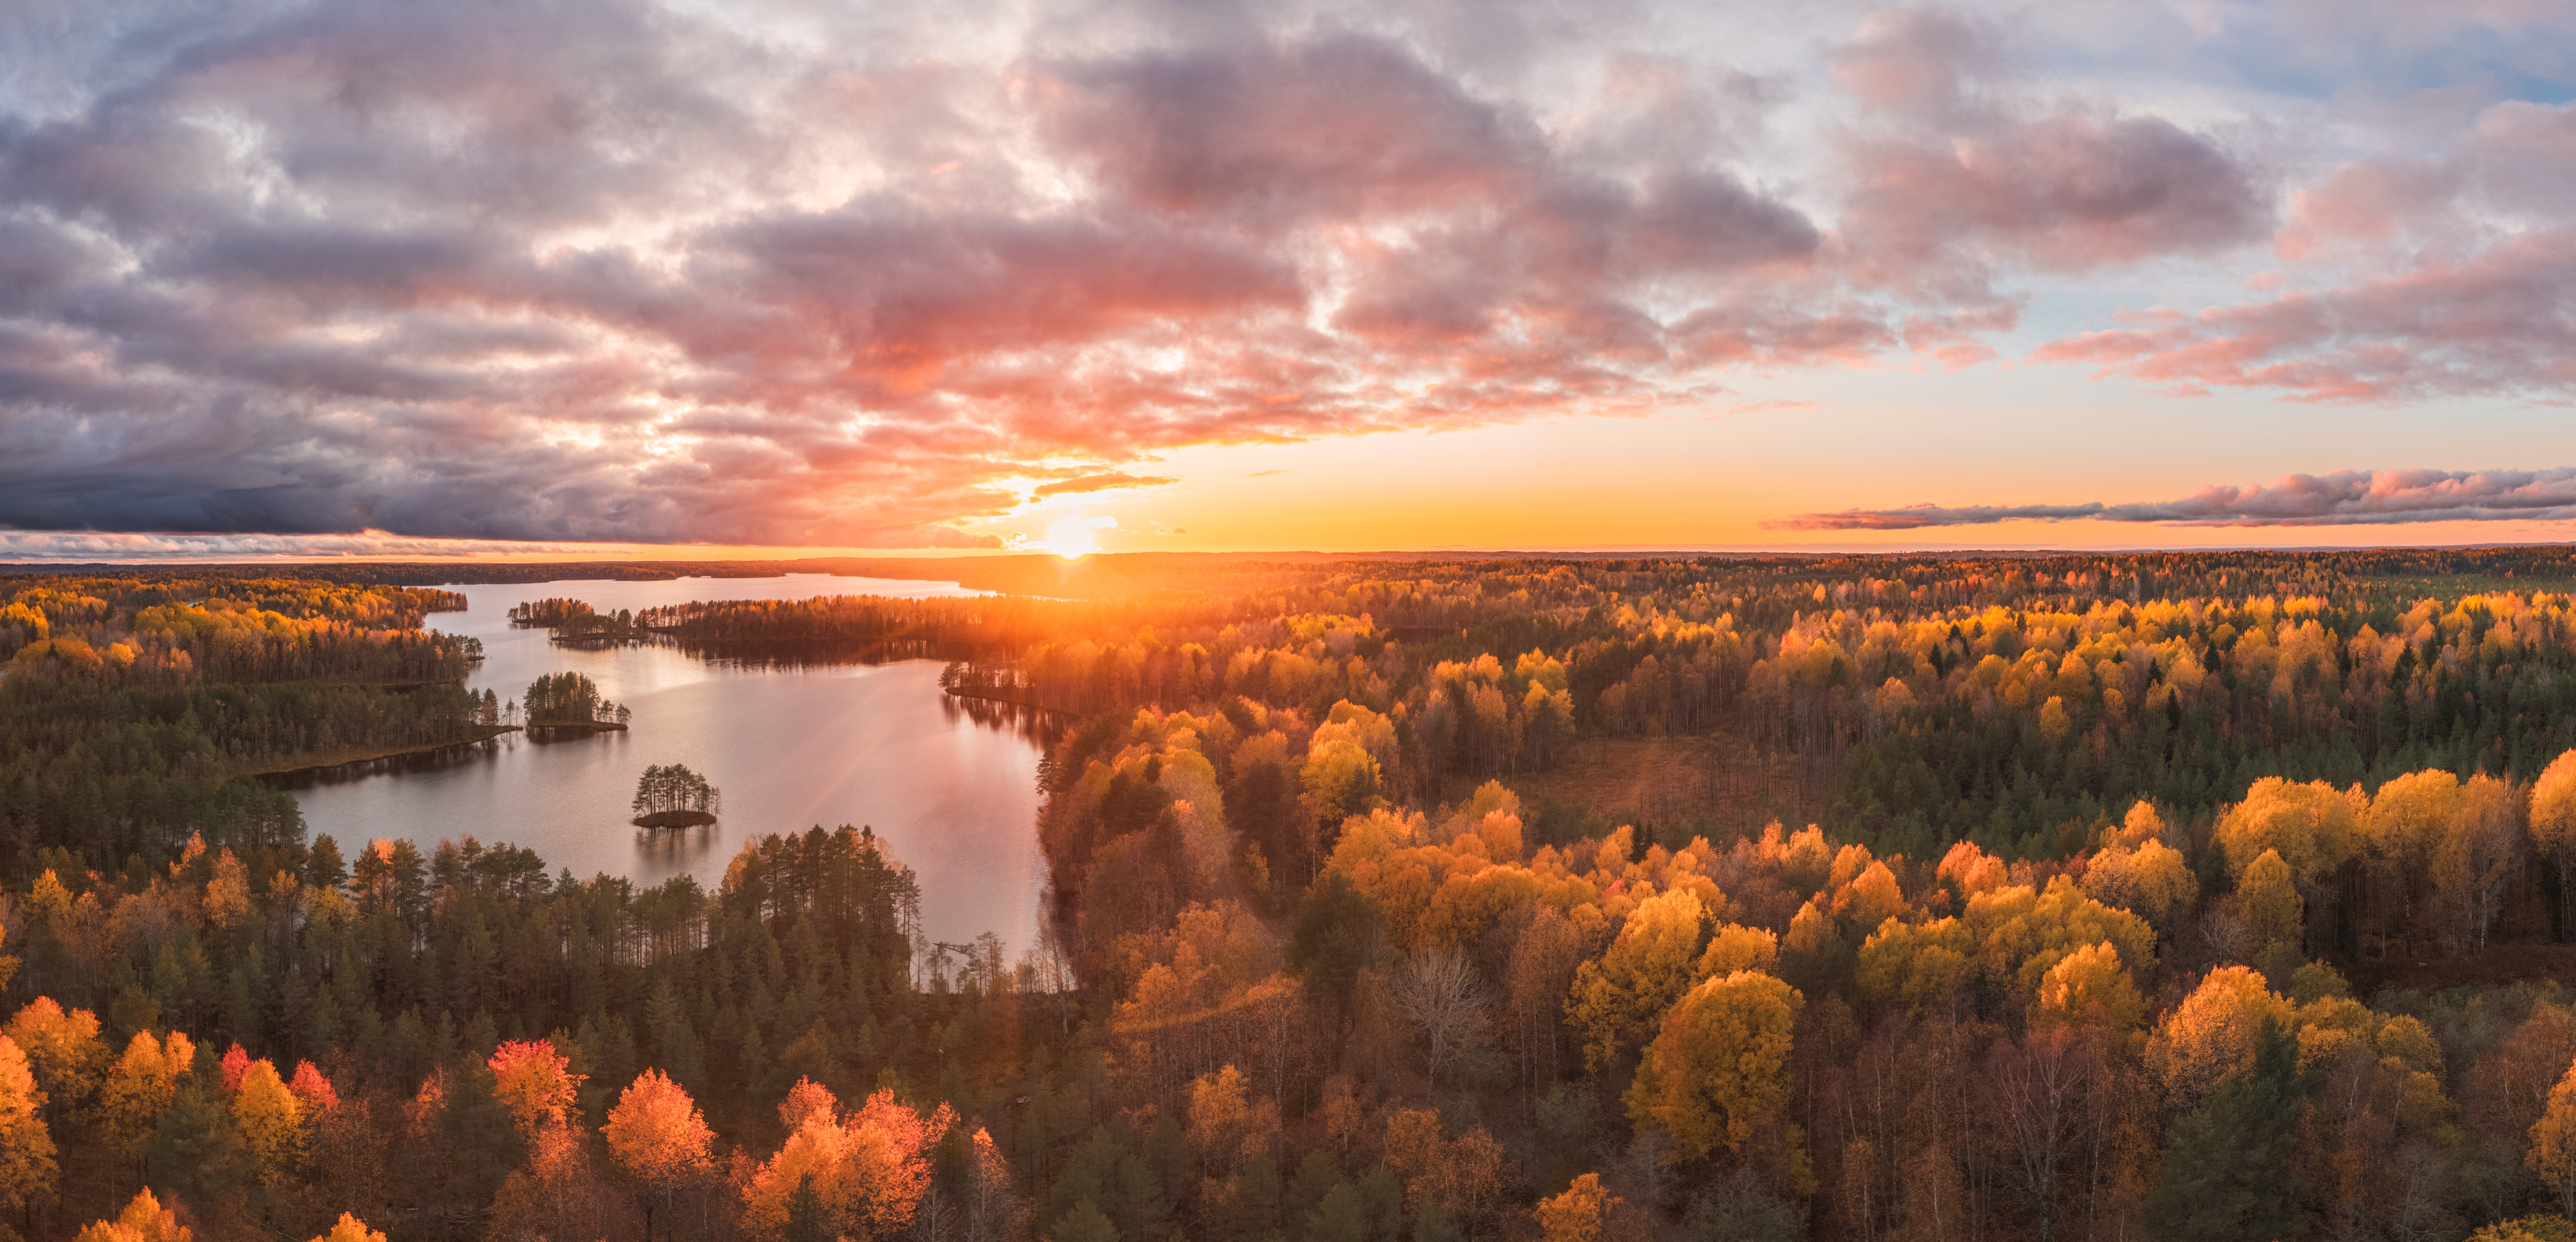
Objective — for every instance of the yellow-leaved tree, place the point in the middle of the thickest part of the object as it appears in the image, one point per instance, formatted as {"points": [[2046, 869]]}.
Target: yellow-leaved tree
{"points": [[271, 1121], [143, 1220], [2272, 901], [1736, 947], [63, 1048], [2210, 1036], [2089, 986], [2312, 826], [1617, 998], [1918, 965], [2553, 827], [1222, 1120], [139, 1086], [2477, 861], [2150, 879], [2408, 818], [2021, 932], [1713, 1076], [1872, 897]]}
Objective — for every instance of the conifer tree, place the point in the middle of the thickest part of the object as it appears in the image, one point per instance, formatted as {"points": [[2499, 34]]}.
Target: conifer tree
{"points": [[2227, 1172]]}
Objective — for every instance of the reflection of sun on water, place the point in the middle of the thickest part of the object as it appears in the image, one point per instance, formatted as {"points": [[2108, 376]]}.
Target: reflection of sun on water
{"points": [[1069, 538]]}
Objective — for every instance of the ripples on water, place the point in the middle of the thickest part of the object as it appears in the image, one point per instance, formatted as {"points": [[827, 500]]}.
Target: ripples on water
{"points": [[794, 737]]}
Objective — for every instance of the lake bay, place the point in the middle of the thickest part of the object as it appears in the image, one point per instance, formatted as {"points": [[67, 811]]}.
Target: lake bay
{"points": [[790, 746]]}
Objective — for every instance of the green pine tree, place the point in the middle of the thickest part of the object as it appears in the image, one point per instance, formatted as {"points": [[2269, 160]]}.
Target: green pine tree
{"points": [[2226, 1173], [196, 1152], [1085, 1224]]}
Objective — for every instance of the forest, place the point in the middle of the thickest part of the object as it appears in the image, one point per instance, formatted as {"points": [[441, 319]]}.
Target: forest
{"points": [[2164, 896]]}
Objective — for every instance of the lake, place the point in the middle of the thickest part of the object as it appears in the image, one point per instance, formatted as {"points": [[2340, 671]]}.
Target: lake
{"points": [[789, 747]]}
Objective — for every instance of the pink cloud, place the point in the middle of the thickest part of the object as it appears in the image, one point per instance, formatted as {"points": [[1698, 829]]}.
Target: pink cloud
{"points": [[2345, 498], [2501, 321], [605, 272]]}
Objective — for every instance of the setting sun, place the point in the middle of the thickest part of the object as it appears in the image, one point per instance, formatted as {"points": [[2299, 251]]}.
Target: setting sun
{"points": [[1070, 537]]}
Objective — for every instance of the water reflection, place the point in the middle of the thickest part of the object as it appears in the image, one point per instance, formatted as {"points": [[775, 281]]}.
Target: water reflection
{"points": [[794, 655], [394, 765], [795, 737], [1038, 726], [681, 849]]}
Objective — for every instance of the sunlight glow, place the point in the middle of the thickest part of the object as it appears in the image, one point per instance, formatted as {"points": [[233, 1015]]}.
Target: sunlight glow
{"points": [[1070, 537]]}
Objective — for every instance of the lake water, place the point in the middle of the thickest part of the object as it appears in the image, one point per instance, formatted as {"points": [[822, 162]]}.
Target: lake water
{"points": [[789, 747]]}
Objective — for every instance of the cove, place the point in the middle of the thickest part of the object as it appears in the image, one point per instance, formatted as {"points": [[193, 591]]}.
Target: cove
{"points": [[953, 791]]}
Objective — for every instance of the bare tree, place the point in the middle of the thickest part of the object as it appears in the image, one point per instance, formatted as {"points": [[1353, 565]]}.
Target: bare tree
{"points": [[1439, 993], [2041, 1095]]}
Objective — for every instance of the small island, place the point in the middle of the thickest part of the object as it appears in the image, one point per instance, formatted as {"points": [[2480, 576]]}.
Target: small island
{"points": [[575, 624], [674, 797], [548, 613], [570, 701]]}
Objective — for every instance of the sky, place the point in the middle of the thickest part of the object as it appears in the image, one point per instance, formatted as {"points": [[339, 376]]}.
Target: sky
{"points": [[585, 277]]}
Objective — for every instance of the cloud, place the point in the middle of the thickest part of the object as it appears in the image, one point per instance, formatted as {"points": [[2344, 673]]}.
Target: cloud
{"points": [[611, 270], [2500, 322], [1099, 483], [2345, 498], [2464, 282], [373, 544], [616, 273], [1960, 175]]}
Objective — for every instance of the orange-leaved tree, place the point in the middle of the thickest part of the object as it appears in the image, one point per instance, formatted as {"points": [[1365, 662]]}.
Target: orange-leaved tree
{"points": [[659, 1138], [2553, 1143], [27, 1169], [866, 1173], [534, 1083], [1581, 1214], [351, 1229], [559, 1193], [991, 1210], [313, 1091]]}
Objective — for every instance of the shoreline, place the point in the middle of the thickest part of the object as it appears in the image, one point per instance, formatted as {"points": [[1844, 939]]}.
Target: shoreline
{"points": [[659, 821], [370, 754], [1027, 703]]}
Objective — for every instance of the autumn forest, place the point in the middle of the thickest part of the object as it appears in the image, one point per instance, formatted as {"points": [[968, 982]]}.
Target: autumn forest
{"points": [[2099, 897]]}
